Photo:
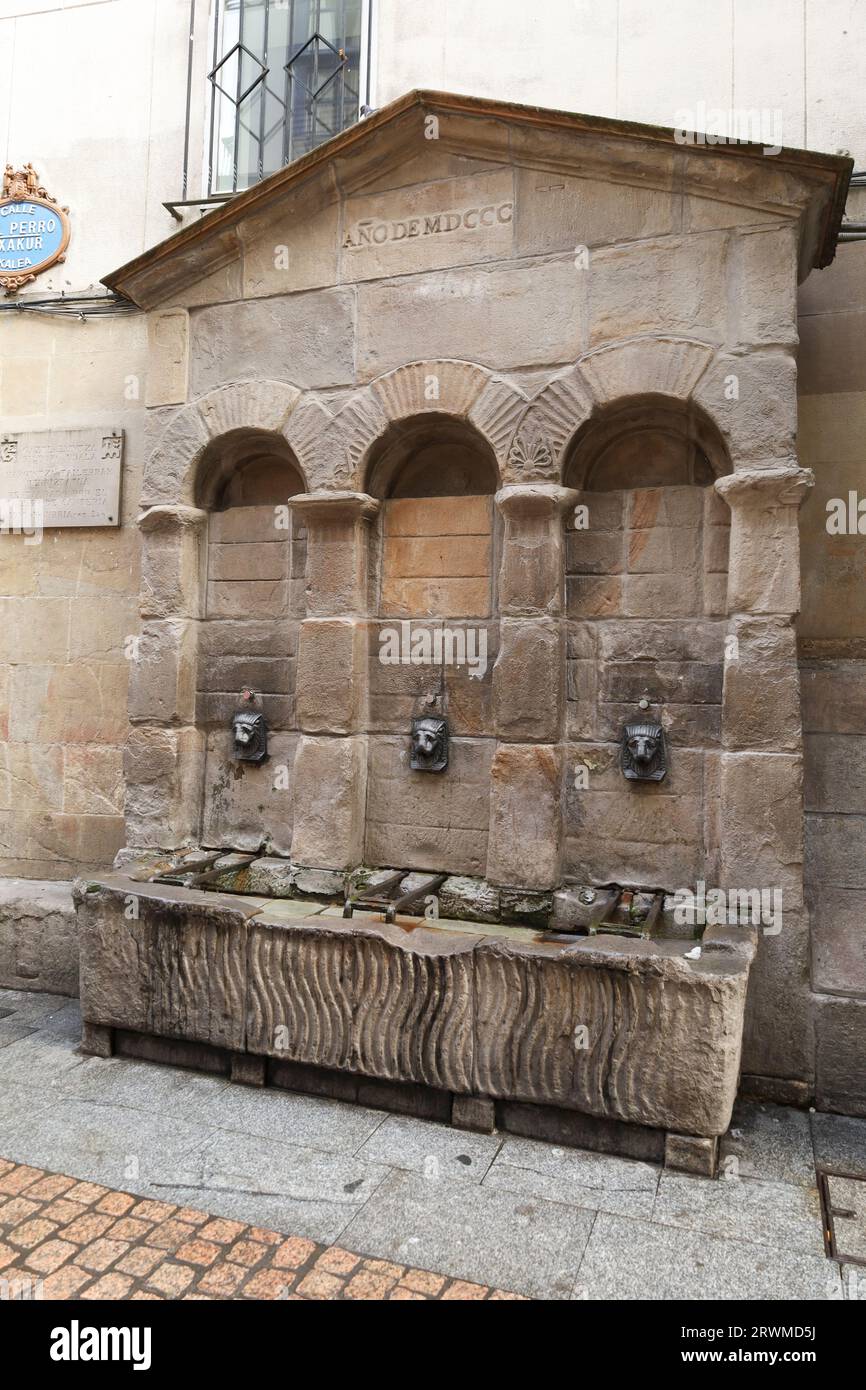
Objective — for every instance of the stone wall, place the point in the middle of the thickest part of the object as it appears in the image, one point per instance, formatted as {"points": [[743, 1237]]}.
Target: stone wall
{"points": [[643, 584], [68, 608], [249, 637], [832, 641], [436, 558], [525, 345]]}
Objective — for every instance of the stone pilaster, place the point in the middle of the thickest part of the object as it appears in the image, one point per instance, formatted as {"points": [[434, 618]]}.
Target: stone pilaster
{"points": [[173, 557], [338, 529], [330, 772], [529, 689], [761, 782], [164, 758], [761, 698], [764, 564]]}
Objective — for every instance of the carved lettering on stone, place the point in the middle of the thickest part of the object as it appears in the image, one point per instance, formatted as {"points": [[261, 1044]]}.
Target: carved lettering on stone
{"points": [[428, 226], [370, 233]]}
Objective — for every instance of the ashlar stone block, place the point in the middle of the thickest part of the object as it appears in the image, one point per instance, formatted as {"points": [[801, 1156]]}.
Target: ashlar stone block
{"points": [[337, 539], [528, 680], [525, 815], [172, 562], [762, 823], [761, 687], [164, 770], [764, 566], [531, 574], [162, 677], [332, 668], [330, 781]]}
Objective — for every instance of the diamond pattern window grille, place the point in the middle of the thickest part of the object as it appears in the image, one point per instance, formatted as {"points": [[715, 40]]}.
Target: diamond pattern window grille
{"points": [[285, 77]]}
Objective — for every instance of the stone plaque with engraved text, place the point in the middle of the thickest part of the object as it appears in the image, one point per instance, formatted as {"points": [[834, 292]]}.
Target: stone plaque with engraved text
{"points": [[75, 474]]}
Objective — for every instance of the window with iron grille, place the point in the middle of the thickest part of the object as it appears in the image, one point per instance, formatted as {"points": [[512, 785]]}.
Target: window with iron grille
{"points": [[285, 77]]}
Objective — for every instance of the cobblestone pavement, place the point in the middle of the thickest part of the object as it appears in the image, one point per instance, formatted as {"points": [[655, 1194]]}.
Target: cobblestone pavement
{"points": [[61, 1238], [185, 1185]]}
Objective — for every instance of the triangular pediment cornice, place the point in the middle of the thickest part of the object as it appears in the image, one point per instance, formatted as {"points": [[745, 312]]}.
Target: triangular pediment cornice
{"points": [[798, 184]]}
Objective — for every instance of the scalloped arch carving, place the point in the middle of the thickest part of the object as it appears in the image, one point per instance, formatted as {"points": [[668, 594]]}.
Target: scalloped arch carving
{"points": [[545, 427], [646, 367], [639, 367], [171, 467], [463, 390]]}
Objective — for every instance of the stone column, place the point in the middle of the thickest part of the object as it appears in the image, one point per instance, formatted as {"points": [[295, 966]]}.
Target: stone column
{"points": [[761, 788], [330, 775], [164, 756], [529, 689]]}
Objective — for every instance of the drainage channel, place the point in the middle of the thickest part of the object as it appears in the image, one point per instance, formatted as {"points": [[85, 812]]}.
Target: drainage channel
{"points": [[843, 1209]]}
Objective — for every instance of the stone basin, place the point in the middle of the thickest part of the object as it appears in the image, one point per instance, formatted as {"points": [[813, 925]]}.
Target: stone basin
{"points": [[645, 1032]]}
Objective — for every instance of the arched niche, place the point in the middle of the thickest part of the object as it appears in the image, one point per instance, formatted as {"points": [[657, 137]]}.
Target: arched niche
{"points": [[432, 636], [646, 573], [435, 476], [247, 468], [656, 531], [645, 442], [431, 455], [253, 603]]}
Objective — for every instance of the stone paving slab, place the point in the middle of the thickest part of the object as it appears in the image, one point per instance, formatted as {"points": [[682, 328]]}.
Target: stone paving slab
{"points": [[275, 1114], [840, 1142], [486, 1236], [535, 1218], [111, 1144], [11, 1032], [770, 1142], [628, 1259], [41, 1058], [783, 1215], [16, 1101], [64, 1239], [302, 1189], [599, 1182], [114, 1081], [434, 1150]]}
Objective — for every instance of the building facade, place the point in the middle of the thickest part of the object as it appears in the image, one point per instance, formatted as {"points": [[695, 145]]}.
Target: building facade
{"points": [[117, 676]]}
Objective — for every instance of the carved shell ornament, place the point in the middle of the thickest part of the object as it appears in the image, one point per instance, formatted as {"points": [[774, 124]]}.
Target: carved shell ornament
{"points": [[530, 457], [34, 230]]}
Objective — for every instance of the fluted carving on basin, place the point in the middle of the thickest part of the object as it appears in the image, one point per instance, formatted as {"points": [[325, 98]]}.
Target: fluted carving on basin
{"points": [[651, 1050], [299, 997], [523, 1034], [196, 977], [413, 1018], [362, 1003], [616, 1029]]}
